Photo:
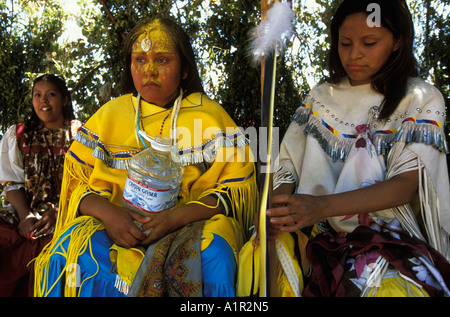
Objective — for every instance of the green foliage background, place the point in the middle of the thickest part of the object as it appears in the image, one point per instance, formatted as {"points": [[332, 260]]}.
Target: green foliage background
{"points": [[31, 38]]}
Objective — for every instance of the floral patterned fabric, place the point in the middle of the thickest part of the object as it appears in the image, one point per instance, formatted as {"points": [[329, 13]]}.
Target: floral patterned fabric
{"points": [[43, 155], [172, 267], [343, 264]]}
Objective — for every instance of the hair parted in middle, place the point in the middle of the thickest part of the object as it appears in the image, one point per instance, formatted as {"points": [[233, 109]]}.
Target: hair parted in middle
{"points": [[192, 83], [60, 83], [391, 80]]}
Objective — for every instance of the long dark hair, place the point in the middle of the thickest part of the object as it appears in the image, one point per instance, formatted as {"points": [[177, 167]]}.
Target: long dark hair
{"points": [[391, 80], [60, 84], [192, 83]]}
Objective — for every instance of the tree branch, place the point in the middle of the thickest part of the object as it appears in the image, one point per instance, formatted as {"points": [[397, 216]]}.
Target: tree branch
{"points": [[111, 17], [86, 76]]}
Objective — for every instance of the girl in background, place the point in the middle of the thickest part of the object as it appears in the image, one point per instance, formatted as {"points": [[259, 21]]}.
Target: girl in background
{"points": [[31, 169]]}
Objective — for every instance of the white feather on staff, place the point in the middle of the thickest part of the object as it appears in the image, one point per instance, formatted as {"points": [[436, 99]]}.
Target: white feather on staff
{"points": [[273, 32]]}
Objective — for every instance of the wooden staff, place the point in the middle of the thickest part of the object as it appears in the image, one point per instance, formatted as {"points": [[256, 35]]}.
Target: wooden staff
{"points": [[270, 53]]}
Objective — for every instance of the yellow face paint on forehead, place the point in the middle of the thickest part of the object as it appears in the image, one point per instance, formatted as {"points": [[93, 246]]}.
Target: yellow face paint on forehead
{"points": [[154, 37]]}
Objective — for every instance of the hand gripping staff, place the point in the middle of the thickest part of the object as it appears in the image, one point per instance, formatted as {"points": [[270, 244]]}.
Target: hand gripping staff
{"points": [[267, 45]]}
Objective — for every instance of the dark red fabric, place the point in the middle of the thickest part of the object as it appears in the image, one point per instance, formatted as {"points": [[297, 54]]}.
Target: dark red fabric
{"points": [[16, 252], [327, 255], [20, 135]]}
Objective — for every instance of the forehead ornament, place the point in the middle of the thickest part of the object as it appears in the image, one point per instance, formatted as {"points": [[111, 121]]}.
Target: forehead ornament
{"points": [[146, 44]]}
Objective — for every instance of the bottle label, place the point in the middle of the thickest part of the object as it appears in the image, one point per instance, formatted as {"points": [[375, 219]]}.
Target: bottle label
{"points": [[147, 199]]}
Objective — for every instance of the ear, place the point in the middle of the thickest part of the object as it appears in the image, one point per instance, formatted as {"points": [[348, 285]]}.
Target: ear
{"points": [[66, 101], [184, 73], [398, 44]]}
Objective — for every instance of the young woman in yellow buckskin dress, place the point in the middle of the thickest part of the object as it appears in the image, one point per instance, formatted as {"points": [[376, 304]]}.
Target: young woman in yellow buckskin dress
{"points": [[98, 249]]}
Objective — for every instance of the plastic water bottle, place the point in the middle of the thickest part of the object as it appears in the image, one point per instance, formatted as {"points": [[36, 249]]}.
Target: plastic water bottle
{"points": [[153, 180]]}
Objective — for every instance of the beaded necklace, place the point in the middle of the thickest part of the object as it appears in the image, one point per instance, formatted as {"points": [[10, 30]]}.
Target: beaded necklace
{"points": [[140, 131]]}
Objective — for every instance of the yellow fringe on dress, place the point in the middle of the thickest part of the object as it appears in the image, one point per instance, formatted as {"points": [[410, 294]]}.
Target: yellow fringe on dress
{"points": [[76, 180], [79, 236], [80, 242], [244, 197]]}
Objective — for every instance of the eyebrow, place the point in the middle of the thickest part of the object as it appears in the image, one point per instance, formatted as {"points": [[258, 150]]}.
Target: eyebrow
{"points": [[141, 52], [51, 89], [364, 37]]}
